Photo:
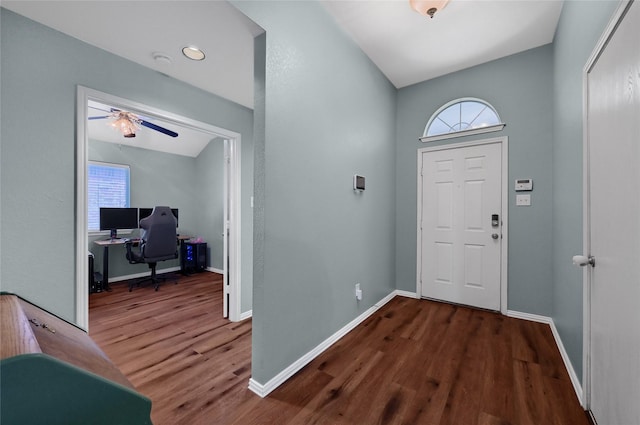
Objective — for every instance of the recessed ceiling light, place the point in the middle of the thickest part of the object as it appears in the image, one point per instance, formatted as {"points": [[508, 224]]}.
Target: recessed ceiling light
{"points": [[193, 53]]}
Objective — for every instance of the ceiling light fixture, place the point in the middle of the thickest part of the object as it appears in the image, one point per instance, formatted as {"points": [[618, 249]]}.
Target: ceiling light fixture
{"points": [[126, 122], [193, 53], [428, 7]]}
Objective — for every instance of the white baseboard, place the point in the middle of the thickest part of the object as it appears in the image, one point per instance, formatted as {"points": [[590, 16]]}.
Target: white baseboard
{"points": [[530, 317], [264, 389], [577, 387], [160, 271], [213, 269], [567, 362], [246, 315], [143, 274], [406, 294]]}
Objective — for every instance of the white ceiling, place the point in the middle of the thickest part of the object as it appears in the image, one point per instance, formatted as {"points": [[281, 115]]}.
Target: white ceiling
{"points": [[136, 30], [410, 48], [407, 47]]}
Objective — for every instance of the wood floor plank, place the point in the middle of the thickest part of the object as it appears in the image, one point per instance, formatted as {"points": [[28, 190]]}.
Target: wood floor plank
{"points": [[530, 396], [414, 362], [497, 392]]}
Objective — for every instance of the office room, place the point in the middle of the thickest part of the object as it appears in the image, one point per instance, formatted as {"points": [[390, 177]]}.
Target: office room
{"points": [[160, 179], [322, 112]]}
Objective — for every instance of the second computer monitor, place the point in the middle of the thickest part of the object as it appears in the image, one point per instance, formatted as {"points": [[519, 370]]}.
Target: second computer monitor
{"points": [[146, 212], [114, 219]]}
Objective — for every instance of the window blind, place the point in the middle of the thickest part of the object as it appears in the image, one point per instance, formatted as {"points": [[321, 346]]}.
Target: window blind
{"points": [[108, 185]]}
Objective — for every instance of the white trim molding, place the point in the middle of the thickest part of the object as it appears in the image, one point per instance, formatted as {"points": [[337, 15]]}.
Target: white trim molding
{"points": [[471, 132], [407, 294], [264, 389], [215, 270], [577, 387], [143, 274], [246, 315]]}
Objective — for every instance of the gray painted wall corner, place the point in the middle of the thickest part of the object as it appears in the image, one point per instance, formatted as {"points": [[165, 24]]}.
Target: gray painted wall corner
{"points": [[319, 236]]}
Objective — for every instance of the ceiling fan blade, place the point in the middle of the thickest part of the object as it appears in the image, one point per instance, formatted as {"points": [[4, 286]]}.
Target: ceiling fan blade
{"points": [[98, 109], [99, 118], [158, 128]]}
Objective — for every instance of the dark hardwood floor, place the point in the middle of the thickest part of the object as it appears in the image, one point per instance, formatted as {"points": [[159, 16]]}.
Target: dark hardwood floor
{"points": [[414, 362]]}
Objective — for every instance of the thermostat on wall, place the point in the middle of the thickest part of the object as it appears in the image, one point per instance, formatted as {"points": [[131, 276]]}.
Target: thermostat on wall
{"points": [[523, 185], [358, 183]]}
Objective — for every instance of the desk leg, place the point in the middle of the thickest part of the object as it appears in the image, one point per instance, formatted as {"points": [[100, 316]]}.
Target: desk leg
{"points": [[105, 269]]}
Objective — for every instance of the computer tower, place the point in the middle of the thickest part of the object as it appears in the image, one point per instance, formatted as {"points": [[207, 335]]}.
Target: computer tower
{"points": [[92, 282], [194, 257], [95, 278]]}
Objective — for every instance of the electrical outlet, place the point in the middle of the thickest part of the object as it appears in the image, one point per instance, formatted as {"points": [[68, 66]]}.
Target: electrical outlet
{"points": [[523, 200], [358, 292]]}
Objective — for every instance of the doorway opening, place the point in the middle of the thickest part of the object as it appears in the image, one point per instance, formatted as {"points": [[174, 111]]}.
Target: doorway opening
{"points": [[231, 228]]}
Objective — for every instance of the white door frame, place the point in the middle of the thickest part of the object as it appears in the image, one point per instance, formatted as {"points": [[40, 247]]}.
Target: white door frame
{"points": [[504, 144], [85, 94], [586, 216], [231, 307]]}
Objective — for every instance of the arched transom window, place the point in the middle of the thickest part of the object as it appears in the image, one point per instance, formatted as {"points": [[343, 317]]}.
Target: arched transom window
{"points": [[462, 117]]}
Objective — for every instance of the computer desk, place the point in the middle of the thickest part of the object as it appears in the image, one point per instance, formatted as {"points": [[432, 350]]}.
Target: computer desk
{"points": [[106, 243]]}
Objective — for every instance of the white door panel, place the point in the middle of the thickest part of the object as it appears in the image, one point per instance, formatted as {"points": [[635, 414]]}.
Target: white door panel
{"points": [[613, 226], [461, 189]]}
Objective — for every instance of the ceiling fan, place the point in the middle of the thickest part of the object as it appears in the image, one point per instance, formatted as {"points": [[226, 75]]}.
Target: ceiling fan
{"points": [[128, 122]]}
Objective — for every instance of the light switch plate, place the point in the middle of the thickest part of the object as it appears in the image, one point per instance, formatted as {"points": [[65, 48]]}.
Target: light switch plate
{"points": [[523, 200]]}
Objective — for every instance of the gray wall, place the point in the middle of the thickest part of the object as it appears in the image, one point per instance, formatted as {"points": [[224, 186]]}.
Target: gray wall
{"points": [[209, 199], [581, 24], [329, 114], [41, 69], [519, 87]]}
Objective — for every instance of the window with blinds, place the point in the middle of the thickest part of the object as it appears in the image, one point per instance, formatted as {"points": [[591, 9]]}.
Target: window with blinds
{"points": [[108, 185]]}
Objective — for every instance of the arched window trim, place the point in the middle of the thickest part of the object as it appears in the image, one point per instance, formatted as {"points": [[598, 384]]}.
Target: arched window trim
{"points": [[461, 133]]}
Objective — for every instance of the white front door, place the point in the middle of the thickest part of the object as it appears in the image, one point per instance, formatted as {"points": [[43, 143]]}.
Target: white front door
{"points": [[461, 223], [613, 226]]}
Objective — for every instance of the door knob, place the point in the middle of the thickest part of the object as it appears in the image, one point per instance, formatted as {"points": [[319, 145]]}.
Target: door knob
{"points": [[581, 260], [495, 236]]}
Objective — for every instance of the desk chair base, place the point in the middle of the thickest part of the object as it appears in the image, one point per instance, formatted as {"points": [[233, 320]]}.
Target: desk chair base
{"points": [[154, 278]]}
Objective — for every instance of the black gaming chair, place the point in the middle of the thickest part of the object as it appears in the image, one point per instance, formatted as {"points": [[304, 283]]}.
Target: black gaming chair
{"points": [[158, 242]]}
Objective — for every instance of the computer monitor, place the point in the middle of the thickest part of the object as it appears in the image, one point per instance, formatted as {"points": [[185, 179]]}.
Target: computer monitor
{"points": [[146, 212], [114, 219]]}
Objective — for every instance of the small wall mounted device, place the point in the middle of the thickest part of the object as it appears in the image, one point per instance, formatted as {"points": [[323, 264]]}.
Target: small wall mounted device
{"points": [[524, 185], [358, 183]]}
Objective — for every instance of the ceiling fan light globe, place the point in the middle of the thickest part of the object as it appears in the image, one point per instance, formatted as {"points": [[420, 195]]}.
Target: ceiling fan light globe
{"points": [[428, 7]]}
